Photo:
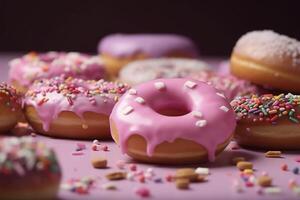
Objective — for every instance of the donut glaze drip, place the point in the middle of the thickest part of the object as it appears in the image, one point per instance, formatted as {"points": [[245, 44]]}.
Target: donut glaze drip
{"points": [[33, 66], [50, 97], [209, 120], [153, 45]]}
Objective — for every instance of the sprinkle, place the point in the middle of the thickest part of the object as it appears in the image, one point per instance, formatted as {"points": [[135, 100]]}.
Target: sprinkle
{"points": [[116, 176], [99, 162], [143, 192], [202, 171], [84, 126], [182, 183], [127, 110], [169, 178], [159, 85], [242, 165], [77, 153], [104, 148], [284, 167], [130, 176], [141, 178], [109, 186], [95, 147], [132, 167], [140, 100], [296, 170], [248, 171], [224, 108], [273, 154], [132, 91], [264, 181], [237, 186], [190, 84], [201, 123], [157, 180], [292, 183], [197, 114], [272, 190], [221, 95], [96, 142], [120, 164], [188, 173], [80, 146]]}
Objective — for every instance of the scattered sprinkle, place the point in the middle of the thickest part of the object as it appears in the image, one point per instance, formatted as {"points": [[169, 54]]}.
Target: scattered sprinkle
{"points": [[197, 114], [143, 192], [99, 162], [140, 100], [182, 183], [116, 176], [221, 95], [273, 154], [132, 91], [242, 165], [109, 186], [202, 171], [264, 181]]}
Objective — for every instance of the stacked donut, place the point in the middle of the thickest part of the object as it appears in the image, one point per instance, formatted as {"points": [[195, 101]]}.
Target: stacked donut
{"points": [[268, 121]]}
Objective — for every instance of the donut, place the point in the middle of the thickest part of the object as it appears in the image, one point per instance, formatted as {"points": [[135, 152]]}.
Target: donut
{"points": [[10, 107], [145, 70], [119, 49], [269, 59], [172, 121], [28, 169], [230, 86], [33, 66], [268, 121], [67, 107]]}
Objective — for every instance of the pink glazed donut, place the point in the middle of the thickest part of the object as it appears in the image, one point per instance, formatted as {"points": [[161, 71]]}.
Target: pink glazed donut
{"points": [[172, 121], [34, 66]]}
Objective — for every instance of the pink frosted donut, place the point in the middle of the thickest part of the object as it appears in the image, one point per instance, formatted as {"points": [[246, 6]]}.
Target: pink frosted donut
{"points": [[32, 66], [150, 69], [72, 108], [230, 86], [172, 121]]}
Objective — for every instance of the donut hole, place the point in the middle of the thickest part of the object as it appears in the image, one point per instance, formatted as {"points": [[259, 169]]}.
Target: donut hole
{"points": [[170, 106]]}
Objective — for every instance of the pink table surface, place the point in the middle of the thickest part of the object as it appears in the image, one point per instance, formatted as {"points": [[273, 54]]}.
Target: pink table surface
{"points": [[218, 186]]}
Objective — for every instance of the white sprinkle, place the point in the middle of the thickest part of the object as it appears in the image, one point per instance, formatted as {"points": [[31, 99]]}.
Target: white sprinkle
{"points": [[224, 108], [201, 123], [296, 190], [196, 113], [202, 171], [140, 100], [160, 85], [272, 190], [221, 95], [130, 176], [237, 186], [96, 141], [109, 186], [132, 91], [190, 84], [127, 110]]}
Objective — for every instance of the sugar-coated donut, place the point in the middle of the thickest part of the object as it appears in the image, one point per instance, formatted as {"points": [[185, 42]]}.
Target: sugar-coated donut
{"points": [[10, 107], [269, 59], [33, 66], [268, 121], [119, 49], [172, 121], [72, 108], [28, 170], [230, 86], [150, 69]]}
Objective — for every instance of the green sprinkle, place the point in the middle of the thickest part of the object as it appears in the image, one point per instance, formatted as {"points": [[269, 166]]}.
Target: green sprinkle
{"points": [[294, 120]]}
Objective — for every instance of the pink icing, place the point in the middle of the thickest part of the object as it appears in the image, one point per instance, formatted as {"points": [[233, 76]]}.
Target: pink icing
{"points": [[209, 122], [52, 96], [34, 66], [154, 45], [230, 86]]}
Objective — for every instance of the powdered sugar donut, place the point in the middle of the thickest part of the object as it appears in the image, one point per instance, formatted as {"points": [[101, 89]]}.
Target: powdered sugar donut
{"points": [[119, 49], [230, 86], [72, 108], [269, 59], [150, 69], [28, 169], [32, 66], [172, 121]]}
